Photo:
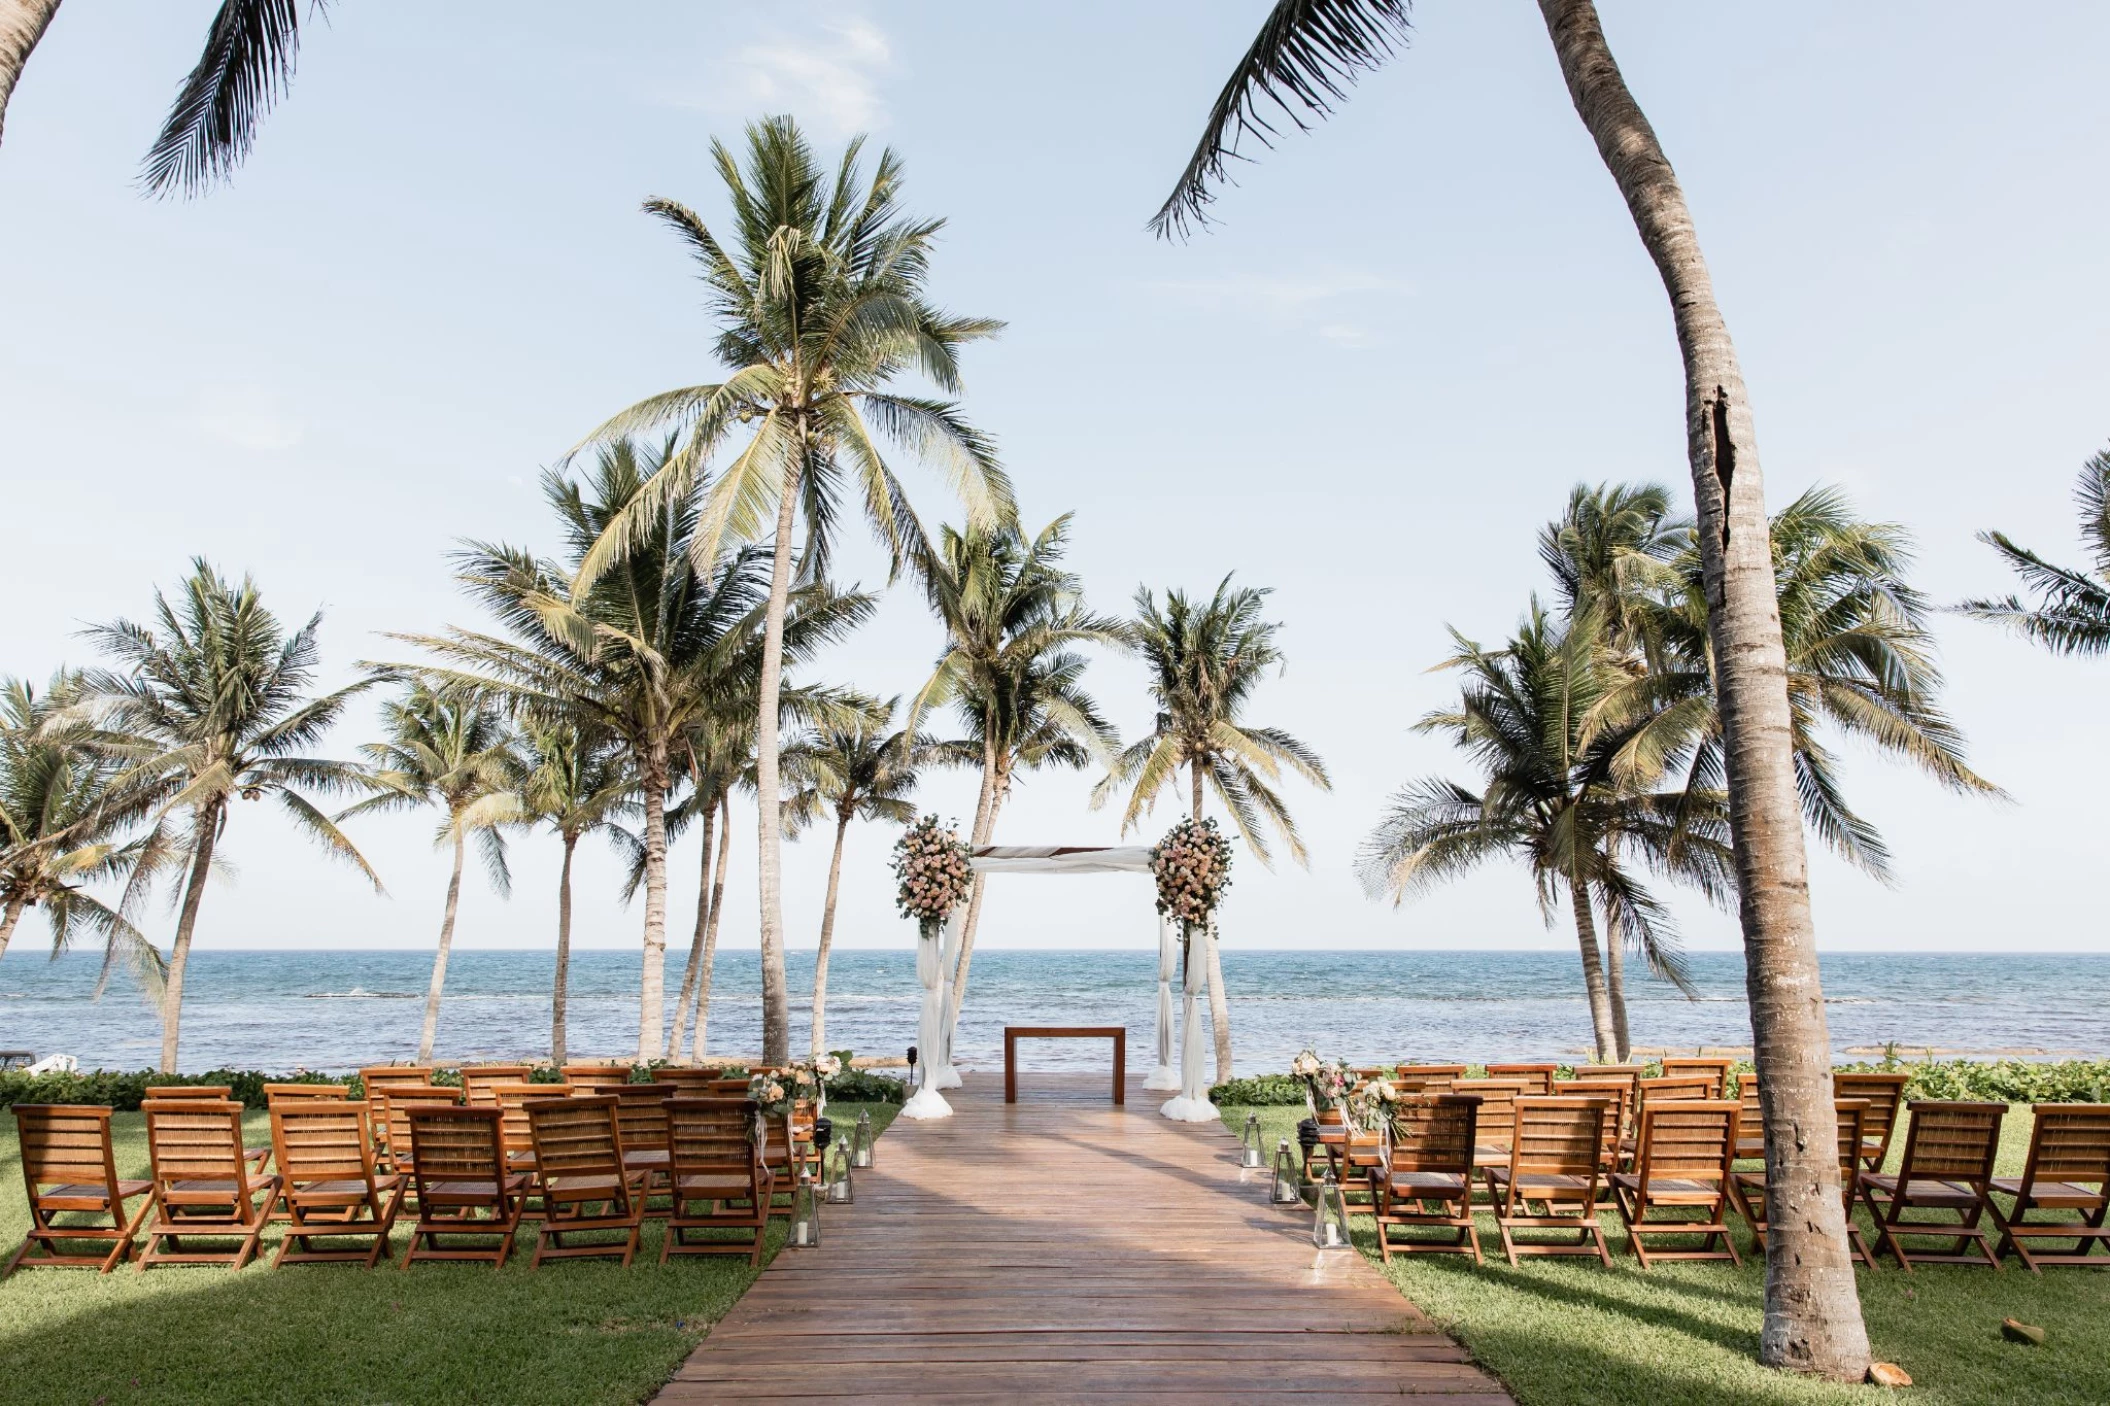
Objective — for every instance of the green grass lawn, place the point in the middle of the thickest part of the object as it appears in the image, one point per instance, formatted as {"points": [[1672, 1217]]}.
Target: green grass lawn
{"points": [[582, 1331], [1573, 1333]]}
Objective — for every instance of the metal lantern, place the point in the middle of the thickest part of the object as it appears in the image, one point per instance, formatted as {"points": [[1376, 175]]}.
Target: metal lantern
{"points": [[1249, 1154], [1284, 1191], [805, 1214], [840, 1190], [1329, 1223], [861, 1142]]}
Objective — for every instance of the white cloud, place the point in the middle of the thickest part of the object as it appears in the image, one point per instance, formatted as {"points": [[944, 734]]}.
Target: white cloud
{"points": [[247, 417], [827, 76]]}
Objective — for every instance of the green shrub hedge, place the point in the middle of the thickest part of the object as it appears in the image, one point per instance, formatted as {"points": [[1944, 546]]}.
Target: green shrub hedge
{"points": [[124, 1090]]}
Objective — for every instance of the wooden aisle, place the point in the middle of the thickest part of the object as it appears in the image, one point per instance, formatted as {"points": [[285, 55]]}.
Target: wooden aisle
{"points": [[1060, 1249]]}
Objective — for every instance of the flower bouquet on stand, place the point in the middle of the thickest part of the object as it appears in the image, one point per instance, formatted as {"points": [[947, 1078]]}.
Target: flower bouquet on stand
{"points": [[1192, 865], [932, 875]]}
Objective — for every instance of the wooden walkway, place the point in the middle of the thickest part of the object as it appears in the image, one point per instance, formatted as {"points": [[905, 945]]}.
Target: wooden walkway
{"points": [[1060, 1249]]}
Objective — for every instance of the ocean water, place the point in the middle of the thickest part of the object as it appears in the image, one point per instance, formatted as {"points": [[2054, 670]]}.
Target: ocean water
{"points": [[280, 1010]]}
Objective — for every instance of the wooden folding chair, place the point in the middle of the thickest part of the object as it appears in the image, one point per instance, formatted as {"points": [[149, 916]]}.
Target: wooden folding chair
{"points": [[1749, 1188], [511, 1101], [1495, 1126], [463, 1187], [580, 1177], [641, 1114], [1421, 1078], [1708, 1067], [391, 1108], [1669, 1088], [1554, 1153], [1684, 1161], [1538, 1078], [677, 1081], [478, 1080], [1751, 1120], [153, 1094], [2068, 1170], [276, 1094], [70, 1169], [715, 1161], [331, 1191], [596, 1077], [1947, 1169], [728, 1086], [377, 1077], [1431, 1166], [1885, 1094], [204, 1185], [1618, 1093]]}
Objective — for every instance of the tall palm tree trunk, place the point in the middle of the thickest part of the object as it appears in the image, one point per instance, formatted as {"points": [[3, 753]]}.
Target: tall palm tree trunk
{"points": [[986, 806], [22, 24], [1219, 1004], [207, 822], [1813, 1314], [10, 916], [1615, 989], [820, 957], [1593, 972], [703, 906], [560, 982], [652, 980], [710, 933], [439, 960], [769, 788]]}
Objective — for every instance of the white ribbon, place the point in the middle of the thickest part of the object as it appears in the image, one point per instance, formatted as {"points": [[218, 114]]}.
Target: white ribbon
{"points": [[1192, 1106], [930, 1026], [1165, 1076], [942, 1074]]}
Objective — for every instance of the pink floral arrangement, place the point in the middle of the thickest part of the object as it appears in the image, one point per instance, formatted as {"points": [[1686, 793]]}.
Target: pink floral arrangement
{"points": [[931, 866], [1193, 868]]}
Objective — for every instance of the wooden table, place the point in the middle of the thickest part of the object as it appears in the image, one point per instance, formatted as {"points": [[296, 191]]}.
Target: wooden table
{"points": [[1117, 1033]]}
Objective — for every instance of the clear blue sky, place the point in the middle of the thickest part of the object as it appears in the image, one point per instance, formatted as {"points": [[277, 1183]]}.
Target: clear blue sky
{"points": [[1415, 329]]}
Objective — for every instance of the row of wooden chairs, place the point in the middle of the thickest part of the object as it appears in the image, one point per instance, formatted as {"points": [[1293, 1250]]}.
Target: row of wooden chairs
{"points": [[344, 1168], [1684, 1164]]}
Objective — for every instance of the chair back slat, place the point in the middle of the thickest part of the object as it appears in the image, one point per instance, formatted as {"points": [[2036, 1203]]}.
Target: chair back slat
{"points": [[1952, 1141], [1853, 1128], [275, 1094], [1420, 1078], [450, 1142], [478, 1079], [1687, 1139], [1617, 1090], [678, 1081], [1435, 1134], [394, 1104], [1709, 1067], [711, 1134], [380, 1076], [1498, 1100], [597, 1077], [1561, 1137], [1537, 1078], [2070, 1142], [65, 1144], [576, 1136], [186, 1093], [729, 1086], [195, 1140], [1671, 1088], [322, 1140], [641, 1113], [1885, 1094]]}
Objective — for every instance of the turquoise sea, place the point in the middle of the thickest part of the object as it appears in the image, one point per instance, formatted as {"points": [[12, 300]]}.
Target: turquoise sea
{"points": [[280, 1010]]}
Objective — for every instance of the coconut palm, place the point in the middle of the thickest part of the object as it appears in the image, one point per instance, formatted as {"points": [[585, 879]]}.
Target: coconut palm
{"points": [[1205, 662], [452, 751], [2072, 610], [656, 643], [577, 782], [1615, 550], [821, 307], [212, 699], [720, 758], [1538, 717], [63, 817], [1307, 54], [863, 771], [1013, 617]]}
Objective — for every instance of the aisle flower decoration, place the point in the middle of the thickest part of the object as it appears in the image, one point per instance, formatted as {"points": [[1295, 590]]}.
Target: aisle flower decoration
{"points": [[771, 1093], [1192, 865], [1326, 1081], [932, 872], [1370, 1105]]}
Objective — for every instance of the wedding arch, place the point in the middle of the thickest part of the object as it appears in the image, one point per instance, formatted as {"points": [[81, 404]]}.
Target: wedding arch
{"points": [[1193, 1104]]}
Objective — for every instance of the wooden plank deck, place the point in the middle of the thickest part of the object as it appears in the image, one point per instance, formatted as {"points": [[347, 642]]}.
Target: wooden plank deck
{"points": [[1062, 1249]]}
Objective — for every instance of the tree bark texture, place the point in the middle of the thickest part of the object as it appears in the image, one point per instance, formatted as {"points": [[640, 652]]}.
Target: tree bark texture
{"points": [[769, 830], [1615, 989], [22, 24], [652, 979], [10, 916], [1593, 973], [710, 934], [207, 822], [1813, 1317], [1219, 1003], [431, 1028], [986, 806], [682, 1003], [820, 956], [560, 980]]}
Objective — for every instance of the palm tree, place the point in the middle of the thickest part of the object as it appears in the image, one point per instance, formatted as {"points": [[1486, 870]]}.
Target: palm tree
{"points": [[577, 782], [821, 307], [1539, 717], [846, 773], [62, 820], [1205, 663], [652, 646], [1306, 55], [1013, 617], [451, 750], [212, 698], [2072, 613]]}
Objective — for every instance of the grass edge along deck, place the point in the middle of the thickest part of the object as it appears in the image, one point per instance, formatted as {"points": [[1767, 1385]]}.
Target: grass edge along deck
{"points": [[1060, 1248]]}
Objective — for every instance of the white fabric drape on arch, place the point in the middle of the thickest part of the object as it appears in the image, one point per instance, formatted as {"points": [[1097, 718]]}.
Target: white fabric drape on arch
{"points": [[1164, 1076], [1193, 1106], [927, 1102]]}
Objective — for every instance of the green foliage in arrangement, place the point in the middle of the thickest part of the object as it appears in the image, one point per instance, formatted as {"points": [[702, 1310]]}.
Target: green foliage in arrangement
{"points": [[863, 1086], [1261, 1091]]}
